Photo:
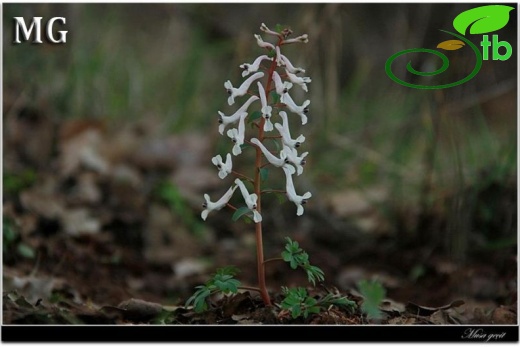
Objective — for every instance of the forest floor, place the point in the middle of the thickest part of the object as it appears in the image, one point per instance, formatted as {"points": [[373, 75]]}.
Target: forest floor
{"points": [[102, 227]]}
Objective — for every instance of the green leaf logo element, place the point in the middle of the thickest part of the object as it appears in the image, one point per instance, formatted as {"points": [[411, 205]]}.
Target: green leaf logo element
{"points": [[483, 19]]}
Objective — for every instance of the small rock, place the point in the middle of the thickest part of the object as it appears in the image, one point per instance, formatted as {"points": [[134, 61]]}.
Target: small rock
{"points": [[137, 309]]}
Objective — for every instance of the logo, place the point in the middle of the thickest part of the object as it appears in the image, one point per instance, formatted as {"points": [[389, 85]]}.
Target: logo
{"points": [[36, 24], [479, 20]]}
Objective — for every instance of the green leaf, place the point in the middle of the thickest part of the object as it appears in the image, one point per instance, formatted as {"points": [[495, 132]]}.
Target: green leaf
{"points": [[310, 301], [314, 273], [222, 281], [198, 299], [296, 311], [299, 303], [275, 97], [374, 293], [279, 28], [239, 213], [336, 300], [287, 256], [297, 257], [9, 233], [281, 197], [228, 286], [15, 183], [25, 251], [264, 173], [228, 270], [483, 19], [276, 145], [254, 116]]}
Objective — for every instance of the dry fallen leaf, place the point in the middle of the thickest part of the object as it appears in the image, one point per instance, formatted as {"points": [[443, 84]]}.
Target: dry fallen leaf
{"points": [[428, 311], [503, 315], [79, 221]]}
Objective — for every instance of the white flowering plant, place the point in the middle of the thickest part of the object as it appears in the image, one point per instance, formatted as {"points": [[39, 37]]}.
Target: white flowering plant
{"points": [[273, 75]]}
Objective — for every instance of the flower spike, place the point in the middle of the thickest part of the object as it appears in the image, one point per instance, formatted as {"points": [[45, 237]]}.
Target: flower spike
{"points": [[250, 200], [234, 92], [299, 200], [215, 206], [283, 129], [223, 168], [266, 109]]}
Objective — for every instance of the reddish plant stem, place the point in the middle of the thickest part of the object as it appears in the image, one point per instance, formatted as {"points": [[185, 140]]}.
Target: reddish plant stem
{"points": [[258, 226], [272, 259]]}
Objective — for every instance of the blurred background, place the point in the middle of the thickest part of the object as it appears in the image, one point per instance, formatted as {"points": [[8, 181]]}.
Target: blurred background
{"points": [[108, 140]]}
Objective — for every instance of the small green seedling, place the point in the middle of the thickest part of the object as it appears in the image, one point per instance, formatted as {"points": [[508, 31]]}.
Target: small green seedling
{"points": [[374, 293], [299, 303], [297, 257], [223, 281]]}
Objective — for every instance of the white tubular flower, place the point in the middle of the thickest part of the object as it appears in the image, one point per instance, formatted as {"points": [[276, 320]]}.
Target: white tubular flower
{"points": [[272, 159], [279, 60], [238, 135], [298, 80], [293, 158], [262, 43], [250, 200], [215, 206], [266, 30], [303, 38], [289, 67], [300, 110], [283, 129], [281, 87], [234, 92], [223, 168], [299, 200], [225, 120], [250, 68], [266, 109]]}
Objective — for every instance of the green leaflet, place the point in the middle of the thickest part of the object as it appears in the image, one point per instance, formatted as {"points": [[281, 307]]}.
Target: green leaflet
{"points": [[239, 213], [264, 173], [254, 116]]}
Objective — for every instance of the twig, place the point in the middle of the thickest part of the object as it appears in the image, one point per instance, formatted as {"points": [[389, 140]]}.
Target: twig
{"points": [[241, 175], [272, 259]]}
